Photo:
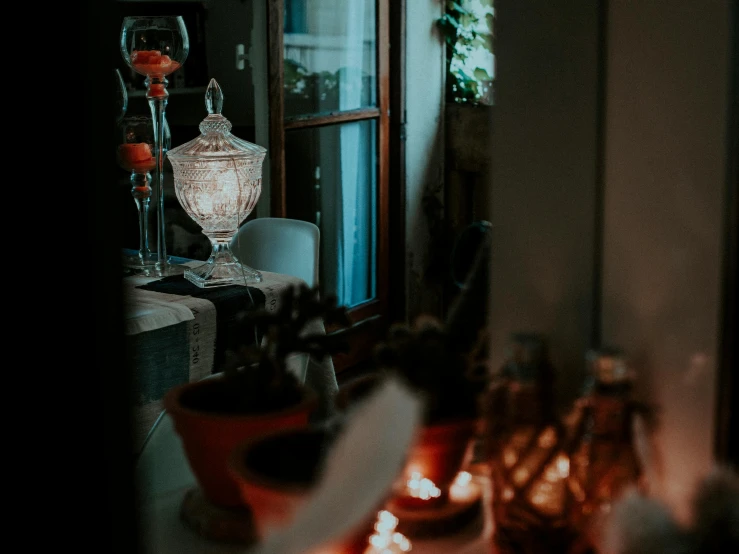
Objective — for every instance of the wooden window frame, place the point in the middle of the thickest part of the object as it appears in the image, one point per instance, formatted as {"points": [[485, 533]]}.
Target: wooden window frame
{"points": [[376, 313]]}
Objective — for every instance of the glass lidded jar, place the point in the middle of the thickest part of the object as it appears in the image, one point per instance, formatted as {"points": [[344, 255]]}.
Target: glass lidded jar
{"points": [[218, 181]]}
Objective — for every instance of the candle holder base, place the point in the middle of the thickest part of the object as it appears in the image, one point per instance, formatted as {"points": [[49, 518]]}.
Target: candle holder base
{"points": [[169, 268], [221, 274], [139, 264], [439, 520]]}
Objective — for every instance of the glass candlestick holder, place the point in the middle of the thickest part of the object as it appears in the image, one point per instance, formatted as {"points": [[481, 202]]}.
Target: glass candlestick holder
{"points": [[135, 154], [156, 46], [218, 181]]}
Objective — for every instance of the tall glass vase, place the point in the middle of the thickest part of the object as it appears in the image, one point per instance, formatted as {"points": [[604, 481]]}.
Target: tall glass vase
{"points": [[135, 154], [156, 46]]}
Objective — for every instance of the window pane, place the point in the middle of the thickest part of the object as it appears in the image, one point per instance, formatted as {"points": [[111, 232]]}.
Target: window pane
{"points": [[331, 175], [330, 55]]}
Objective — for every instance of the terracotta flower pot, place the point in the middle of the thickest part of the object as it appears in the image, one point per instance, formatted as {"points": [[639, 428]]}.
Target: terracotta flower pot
{"points": [[276, 473], [439, 453], [209, 435]]}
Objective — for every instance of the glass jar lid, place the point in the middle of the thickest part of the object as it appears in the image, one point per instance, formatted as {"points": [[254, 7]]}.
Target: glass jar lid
{"points": [[216, 140]]}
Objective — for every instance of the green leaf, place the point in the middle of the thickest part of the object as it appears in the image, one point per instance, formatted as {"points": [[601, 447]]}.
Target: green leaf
{"points": [[479, 42], [468, 20], [481, 74], [452, 6], [490, 21]]}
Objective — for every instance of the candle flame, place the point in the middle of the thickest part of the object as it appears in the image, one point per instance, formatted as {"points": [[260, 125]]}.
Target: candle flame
{"points": [[463, 478], [509, 457], [563, 465], [422, 487], [462, 488], [547, 438], [386, 540]]}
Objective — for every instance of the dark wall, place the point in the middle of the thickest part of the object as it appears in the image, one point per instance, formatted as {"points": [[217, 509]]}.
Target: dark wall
{"points": [[113, 497]]}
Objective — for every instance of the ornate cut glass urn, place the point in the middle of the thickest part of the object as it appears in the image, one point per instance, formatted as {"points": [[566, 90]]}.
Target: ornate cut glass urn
{"points": [[218, 181]]}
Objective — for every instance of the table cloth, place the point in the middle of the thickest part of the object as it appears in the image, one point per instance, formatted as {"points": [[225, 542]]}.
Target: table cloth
{"points": [[177, 332]]}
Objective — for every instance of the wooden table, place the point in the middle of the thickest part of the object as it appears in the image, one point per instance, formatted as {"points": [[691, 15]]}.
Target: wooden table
{"points": [[177, 332]]}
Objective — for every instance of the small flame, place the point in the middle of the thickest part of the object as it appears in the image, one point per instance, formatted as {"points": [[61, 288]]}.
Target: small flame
{"points": [[520, 475], [548, 438], [462, 489], [563, 465], [421, 487], [509, 457], [386, 540], [463, 478]]}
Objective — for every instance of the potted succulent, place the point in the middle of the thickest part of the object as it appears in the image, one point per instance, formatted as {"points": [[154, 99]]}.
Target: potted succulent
{"points": [[256, 391], [276, 471], [450, 384], [446, 363], [338, 471]]}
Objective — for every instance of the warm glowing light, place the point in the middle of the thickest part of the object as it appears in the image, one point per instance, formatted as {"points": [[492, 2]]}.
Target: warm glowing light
{"points": [[507, 494], [577, 490], [421, 487], [547, 438], [563, 465], [521, 475], [386, 522], [560, 469], [463, 478], [463, 488], [386, 540], [509, 457]]}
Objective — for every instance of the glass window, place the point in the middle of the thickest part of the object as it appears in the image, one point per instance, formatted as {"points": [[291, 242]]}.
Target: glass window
{"points": [[330, 56], [332, 172]]}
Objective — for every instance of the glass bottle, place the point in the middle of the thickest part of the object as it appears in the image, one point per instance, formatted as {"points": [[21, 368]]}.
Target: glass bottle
{"points": [[604, 461], [527, 452], [156, 46]]}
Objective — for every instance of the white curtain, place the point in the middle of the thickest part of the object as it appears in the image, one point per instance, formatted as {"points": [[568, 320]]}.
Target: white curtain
{"points": [[348, 206]]}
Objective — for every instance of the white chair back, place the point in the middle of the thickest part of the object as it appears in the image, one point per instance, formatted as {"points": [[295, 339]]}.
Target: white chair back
{"points": [[279, 245]]}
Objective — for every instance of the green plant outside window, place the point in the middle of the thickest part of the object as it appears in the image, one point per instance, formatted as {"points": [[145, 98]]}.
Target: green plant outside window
{"points": [[467, 28]]}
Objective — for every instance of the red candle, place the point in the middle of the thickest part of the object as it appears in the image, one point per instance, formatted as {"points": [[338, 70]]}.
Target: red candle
{"points": [[152, 62]]}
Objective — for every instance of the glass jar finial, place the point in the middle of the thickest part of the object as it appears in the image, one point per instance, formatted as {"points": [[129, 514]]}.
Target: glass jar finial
{"points": [[214, 98]]}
